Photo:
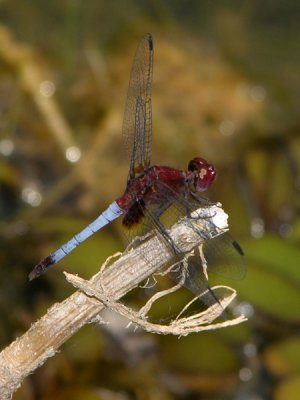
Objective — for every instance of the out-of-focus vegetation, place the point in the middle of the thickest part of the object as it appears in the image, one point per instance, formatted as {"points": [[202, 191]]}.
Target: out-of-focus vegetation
{"points": [[226, 87]]}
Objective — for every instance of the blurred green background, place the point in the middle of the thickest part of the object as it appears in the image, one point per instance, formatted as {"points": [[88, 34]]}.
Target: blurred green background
{"points": [[226, 87]]}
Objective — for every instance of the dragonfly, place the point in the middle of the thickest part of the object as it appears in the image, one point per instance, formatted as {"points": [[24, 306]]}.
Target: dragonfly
{"points": [[151, 190]]}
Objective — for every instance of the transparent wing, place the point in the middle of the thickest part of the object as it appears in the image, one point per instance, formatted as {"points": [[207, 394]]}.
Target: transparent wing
{"points": [[137, 123], [222, 253], [198, 286]]}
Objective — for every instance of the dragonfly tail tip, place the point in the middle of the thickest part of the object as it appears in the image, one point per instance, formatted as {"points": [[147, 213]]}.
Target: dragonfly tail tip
{"points": [[41, 268], [32, 275]]}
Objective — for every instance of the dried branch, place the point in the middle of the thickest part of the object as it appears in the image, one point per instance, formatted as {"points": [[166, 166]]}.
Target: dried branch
{"points": [[63, 319]]}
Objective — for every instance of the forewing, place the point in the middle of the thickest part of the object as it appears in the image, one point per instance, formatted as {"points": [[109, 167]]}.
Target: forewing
{"points": [[223, 254], [158, 216], [137, 123]]}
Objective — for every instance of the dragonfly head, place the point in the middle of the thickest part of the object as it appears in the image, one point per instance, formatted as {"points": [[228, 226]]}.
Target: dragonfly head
{"points": [[203, 173]]}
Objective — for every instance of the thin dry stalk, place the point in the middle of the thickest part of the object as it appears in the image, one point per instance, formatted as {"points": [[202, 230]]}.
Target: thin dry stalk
{"points": [[195, 323]]}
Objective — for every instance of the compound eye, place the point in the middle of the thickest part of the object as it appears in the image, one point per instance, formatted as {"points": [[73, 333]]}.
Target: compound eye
{"points": [[197, 164], [204, 173]]}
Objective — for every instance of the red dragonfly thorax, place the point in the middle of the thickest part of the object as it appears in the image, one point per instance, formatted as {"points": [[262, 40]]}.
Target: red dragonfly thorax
{"points": [[149, 187]]}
